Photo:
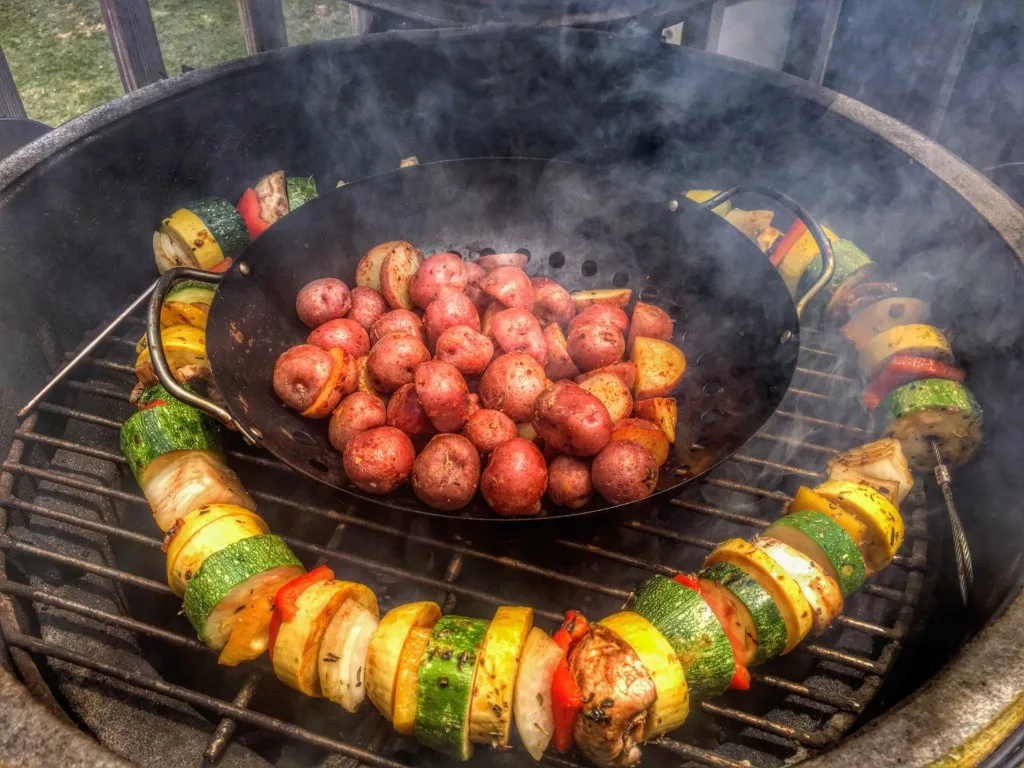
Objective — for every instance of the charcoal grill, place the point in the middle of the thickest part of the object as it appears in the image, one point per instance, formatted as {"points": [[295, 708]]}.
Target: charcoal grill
{"points": [[90, 627]]}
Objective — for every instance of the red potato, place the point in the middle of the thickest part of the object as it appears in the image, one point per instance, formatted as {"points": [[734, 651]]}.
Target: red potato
{"points": [[612, 392], [446, 473], [473, 403], [393, 359], [300, 373], [595, 346], [648, 434], [527, 432], [625, 371], [650, 321], [379, 460], [560, 364], [486, 319], [405, 412], [396, 275], [569, 483], [510, 286], [398, 321], [660, 366], [515, 479], [450, 308], [444, 394], [474, 273], [511, 384], [615, 297], [551, 302], [663, 411], [487, 429], [344, 333], [572, 420], [438, 270], [344, 380], [368, 307], [368, 269], [624, 471], [516, 330], [464, 348], [495, 260], [602, 314], [356, 413], [321, 300]]}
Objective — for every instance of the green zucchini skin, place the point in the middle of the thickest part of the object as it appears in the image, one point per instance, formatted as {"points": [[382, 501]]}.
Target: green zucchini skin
{"points": [[223, 571], [300, 189], [768, 621], [938, 409], [156, 430], [190, 290], [224, 222], [841, 550], [445, 685], [691, 628], [849, 259]]}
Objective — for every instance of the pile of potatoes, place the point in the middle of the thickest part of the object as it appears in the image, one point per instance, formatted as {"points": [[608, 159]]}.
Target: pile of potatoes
{"points": [[455, 375]]}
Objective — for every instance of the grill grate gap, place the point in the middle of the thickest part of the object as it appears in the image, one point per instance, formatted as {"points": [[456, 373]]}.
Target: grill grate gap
{"points": [[807, 700]]}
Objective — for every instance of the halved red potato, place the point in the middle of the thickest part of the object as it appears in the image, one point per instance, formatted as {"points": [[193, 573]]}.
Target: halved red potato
{"points": [[616, 297], [368, 269], [551, 302], [650, 321], [396, 275], [560, 364], [495, 260], [625, 371]]}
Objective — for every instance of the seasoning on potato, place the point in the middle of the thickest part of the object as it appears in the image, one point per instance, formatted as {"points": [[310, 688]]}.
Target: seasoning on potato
{"points": [[379, 460], [624, 471], [569, 483], [515, 479], [572, 420], [446, 473]]}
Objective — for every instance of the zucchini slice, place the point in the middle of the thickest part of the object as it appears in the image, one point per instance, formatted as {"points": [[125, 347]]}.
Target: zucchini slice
{"points": [[385, 652], [783, 588], [819, 589], [163, 428], [202, 235], [301, 189], [490, 707], [185, 350], [738, 599], [945, 411], [686, 620], [806, 499], [851, 262], [445, 685], [178, 482], [228, 581], [201, 533], [824, 541], [342, 665], [407, 680], [917, 339], [883, 315], [297, 648], [883, 524], [534, 716], [672, 705], [250, 633]]}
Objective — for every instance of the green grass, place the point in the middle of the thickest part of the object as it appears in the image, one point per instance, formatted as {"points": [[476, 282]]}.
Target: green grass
{"points": [[61, 60]]}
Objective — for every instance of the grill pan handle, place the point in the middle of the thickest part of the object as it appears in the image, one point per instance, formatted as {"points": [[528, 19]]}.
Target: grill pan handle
{"points": [[824, 246], [156, 347]]}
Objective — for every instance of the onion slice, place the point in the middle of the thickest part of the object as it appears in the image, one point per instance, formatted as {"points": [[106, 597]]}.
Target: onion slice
{"points": [[343, 655], [532, 699], [178, 482]]}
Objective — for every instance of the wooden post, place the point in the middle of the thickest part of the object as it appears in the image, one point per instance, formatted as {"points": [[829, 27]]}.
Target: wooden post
{"points": [[133, 40], [362, 19], [10, 100], [262, 25]]}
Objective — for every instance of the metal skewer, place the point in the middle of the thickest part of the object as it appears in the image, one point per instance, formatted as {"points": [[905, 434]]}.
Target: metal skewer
{"points": [[964, 569], [66, 368]]}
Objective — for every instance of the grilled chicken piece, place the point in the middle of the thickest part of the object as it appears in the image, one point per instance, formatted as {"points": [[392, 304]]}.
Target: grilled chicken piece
{"points": [[617, 692], [273, 196]]}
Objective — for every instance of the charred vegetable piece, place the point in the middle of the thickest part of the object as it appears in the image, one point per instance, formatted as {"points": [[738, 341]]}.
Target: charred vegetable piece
{"points": [[902, 369], [883, 524], [882, 461], [445, 685], [490, 712], [566, 697], [819, 589], [202, 533], [758, 629], [178, 482], [187, 303], [883, 315], [903, 340], [185, 350], [301, 190], [851, 264], [823, 540], [936, 409], [200, 236], [796, 251], [270, 191]]}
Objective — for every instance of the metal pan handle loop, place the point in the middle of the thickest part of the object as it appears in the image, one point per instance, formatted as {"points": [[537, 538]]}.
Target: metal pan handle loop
{"points": [[156, 348], [824, 246]]}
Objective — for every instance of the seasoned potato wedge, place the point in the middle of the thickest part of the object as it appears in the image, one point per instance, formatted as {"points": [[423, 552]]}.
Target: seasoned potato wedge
{"points": [[648, 434], [663, 411], [396, 275], [659, 367], [368, 270], [612, 391], [616, 297]]}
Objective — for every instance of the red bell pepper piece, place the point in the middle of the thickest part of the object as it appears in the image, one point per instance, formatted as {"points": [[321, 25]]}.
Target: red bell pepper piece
{"points": [[152, 404], [221, 266], [566, 697], [902, 369], [794, 233], [740, 679], [687, 580], [249, 209], [286, 597]]}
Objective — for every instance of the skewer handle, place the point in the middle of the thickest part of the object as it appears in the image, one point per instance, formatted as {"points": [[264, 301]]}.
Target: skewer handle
{"points": [[961, 551]]}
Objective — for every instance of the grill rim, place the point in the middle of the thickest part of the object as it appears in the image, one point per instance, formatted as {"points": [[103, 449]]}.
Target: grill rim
{"points": [[882, 739]]}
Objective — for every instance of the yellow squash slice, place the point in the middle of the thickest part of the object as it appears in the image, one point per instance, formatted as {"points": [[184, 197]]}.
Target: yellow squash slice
{"points": [[382, 660], [659, 659], [703, 195], [202, 532], [917, 339], [782, 587], [184, 346], [881, 519], [799, 257], [297, 649], [806, 499], [406, 682], [184, 238], [490, 708]]}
